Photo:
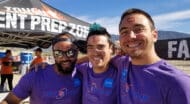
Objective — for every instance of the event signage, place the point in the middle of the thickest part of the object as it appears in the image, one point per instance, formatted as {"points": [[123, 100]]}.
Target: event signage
{"points": [[174, 49], [34, 19]]}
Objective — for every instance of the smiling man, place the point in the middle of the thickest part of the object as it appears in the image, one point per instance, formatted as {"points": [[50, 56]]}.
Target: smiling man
{"points": [[100, 78], [146, 78], [55, 84]]}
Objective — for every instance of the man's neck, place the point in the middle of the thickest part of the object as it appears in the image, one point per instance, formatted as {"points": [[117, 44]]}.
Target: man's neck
{"points": [[99, 70], [146, 59]]}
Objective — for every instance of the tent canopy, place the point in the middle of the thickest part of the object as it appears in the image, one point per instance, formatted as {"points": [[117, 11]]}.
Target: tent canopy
{"points": [[30, 23]]}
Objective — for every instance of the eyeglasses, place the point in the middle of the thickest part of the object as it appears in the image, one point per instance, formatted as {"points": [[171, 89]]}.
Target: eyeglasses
{"points": [[69, 53], [136, 29]]}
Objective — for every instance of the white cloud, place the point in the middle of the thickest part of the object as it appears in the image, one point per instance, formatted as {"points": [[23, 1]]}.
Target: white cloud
{"points": [[166, 21], [171, 20], [111, 23]]}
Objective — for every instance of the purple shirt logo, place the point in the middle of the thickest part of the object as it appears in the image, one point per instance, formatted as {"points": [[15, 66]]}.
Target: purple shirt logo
{"points": [[62, 93], [108, 83]]}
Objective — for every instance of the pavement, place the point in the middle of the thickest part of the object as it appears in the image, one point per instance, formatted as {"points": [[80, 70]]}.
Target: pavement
{"points": [[16, 78]]}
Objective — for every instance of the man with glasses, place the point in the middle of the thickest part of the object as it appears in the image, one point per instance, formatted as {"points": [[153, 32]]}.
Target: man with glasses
{"points": [[57, 83]]}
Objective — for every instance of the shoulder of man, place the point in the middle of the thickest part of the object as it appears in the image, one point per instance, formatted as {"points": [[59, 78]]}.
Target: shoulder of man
{"points": [[167, 74], [83, 66]]}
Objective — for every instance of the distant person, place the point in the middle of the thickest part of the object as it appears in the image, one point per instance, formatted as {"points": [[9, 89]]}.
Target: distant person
{"points": [[145, 77], [38, 59], [100, 78], [117, 49], [7, 70], [56, 84]]}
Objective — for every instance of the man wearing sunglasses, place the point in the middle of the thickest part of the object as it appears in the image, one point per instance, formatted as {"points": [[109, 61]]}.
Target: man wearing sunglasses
{"points": [[57, 83]]}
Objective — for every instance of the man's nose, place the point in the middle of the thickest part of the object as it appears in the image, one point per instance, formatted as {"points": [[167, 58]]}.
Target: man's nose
{"points": [[132, 34]]}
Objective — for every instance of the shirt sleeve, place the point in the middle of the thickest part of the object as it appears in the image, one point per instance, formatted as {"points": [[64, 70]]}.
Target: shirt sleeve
{"points": [[117, 61], [180, 94], [24, 87], [82, 67]]}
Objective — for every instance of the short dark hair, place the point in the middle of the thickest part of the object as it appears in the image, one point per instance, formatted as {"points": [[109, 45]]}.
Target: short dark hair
{"points": [[137, 11], [101, 31], [38, 49], [8, 51], [58, 38], [80, 44]]}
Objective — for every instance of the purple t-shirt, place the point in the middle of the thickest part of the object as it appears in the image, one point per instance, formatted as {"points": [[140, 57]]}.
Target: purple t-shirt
{"points": [[99, 88], [158, 83], [45, 86]]}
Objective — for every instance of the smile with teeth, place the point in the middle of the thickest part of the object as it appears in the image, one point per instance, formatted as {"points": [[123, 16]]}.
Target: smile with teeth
{"points": [[96, 58], [134, 45], [66, 63]]}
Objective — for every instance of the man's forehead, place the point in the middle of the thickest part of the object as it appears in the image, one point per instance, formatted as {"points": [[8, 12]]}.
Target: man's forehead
{"points": [[96, 38], [63, 45], [134, 18], [130, 18], [62, 38], [93, 38]]}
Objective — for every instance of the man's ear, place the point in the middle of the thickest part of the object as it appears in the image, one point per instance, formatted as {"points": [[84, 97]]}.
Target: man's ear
{"points": [[112, 47], [155, 35]]}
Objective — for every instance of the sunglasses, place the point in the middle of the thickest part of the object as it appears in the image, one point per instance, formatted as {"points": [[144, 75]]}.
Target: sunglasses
{"points": [[69, 53]]}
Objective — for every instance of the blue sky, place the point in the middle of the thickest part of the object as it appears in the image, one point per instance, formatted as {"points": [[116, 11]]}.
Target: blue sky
{"points": [[170, 15]]}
